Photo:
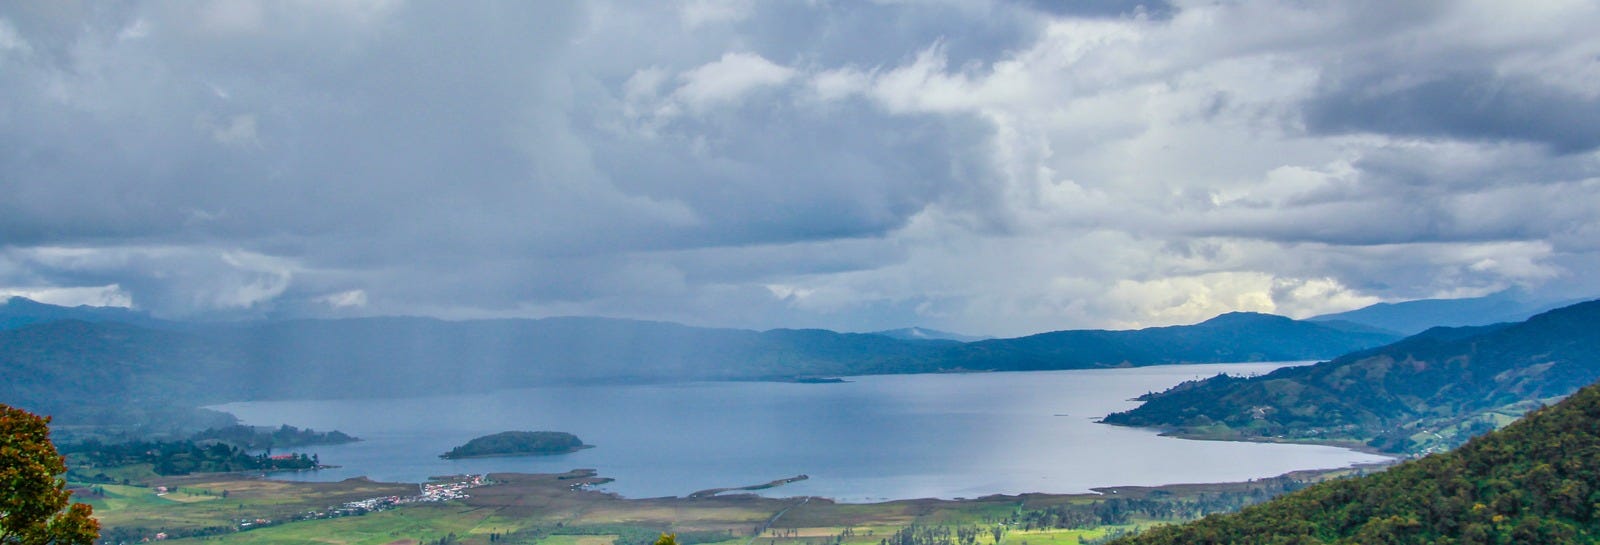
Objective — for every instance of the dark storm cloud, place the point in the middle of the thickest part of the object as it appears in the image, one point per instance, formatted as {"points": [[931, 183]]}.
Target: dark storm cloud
{"points": [[441, 130], [425, 140], [989, 166], [1470, 106], [870, 34], [791, 171]]}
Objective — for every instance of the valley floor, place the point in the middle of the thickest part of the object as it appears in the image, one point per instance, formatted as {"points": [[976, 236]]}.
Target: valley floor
{"points": [[563, 509]]}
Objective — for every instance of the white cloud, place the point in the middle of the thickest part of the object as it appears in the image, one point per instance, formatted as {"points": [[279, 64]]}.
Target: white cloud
{"points": [[262, 278], [702, 12], [238, 130], [169, 281], [840, 83], [139, 29], [232, 17], [345, 299], [11, 40], [94, 296], [728, 79]]}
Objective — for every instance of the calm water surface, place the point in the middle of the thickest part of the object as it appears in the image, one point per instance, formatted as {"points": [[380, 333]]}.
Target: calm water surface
{"points": [[875, 438]]}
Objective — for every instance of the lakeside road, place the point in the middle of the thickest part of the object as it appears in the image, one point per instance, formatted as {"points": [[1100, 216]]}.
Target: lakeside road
{"points": [[763, 486], [774, 519]]}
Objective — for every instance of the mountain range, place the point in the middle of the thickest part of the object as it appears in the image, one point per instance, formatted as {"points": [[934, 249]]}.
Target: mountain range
{"points": [[17, 312], [1428, 391], [1412, 317], [925, 334], [378, 357]]}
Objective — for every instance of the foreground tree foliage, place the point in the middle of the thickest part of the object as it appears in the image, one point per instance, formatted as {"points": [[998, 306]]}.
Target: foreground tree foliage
{"points": [[33, 499], [1536, 481]]}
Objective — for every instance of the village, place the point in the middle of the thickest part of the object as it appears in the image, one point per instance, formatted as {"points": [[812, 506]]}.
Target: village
{"points": [[454, 488]]}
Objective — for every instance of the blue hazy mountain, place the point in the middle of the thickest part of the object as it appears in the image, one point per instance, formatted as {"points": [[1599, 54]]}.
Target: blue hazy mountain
{"points": [[1231, 337], [107, 365], [16, 312], [1412, 317], [924, 334]]}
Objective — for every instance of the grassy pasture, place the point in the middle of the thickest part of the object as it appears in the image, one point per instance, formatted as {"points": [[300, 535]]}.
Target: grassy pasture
{"points": [[561, 510]]}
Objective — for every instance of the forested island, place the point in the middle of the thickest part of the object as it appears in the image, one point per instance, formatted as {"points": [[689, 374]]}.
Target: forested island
{"points": [[518, 443], [90, 458], [267, 438]]}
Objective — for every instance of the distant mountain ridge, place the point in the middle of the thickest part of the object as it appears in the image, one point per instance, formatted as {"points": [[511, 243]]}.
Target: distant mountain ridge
{"points": [[1430, 390], [103, 363], [1231, 337], [925, 334], [17, 311], [1412, 317]]}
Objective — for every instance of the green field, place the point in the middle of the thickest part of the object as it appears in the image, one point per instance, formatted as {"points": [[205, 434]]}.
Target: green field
{"points": [[551, 510]]}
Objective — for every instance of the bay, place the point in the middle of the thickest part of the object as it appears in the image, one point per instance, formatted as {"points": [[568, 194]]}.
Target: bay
{"points": [[873, 438]]}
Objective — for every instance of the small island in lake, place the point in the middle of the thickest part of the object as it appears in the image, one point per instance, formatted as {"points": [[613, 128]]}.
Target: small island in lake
{"points": [[518, 443]]}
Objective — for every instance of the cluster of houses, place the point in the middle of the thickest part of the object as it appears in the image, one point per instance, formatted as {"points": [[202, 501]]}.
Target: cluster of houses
{"points": [[428, 492], [449, 491]]}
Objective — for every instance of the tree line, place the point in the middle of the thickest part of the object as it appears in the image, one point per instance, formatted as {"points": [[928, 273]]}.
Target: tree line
{"points": [[175, 458]]}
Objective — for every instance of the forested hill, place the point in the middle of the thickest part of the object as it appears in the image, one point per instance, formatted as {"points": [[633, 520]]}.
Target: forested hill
{"points": [[110, 373], [1429, 390], [17, 312], [1536, 481]]}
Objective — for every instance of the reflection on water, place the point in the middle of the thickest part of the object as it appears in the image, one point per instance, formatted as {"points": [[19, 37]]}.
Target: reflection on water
{"points": [[875, 438]]}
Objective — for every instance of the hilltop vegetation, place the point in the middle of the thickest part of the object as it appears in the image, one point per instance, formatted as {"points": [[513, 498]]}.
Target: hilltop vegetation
{"points": [[1429, 391], [1536, 481], [116, 374], [516, 443], [90, 459], [263, 438]]}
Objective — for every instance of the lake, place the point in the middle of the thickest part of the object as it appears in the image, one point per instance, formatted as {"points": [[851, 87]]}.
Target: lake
{"points": [[875, 438]]}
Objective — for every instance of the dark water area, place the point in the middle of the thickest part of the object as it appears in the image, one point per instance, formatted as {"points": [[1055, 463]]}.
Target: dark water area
{"points": [[870, 439]]}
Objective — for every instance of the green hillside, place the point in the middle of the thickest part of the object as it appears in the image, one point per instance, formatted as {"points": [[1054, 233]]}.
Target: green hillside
{"points": [[1429, 391], [115, 374], [1536, 481]]}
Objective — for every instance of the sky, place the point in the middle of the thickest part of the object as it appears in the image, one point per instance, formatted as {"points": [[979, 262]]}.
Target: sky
{"points": [[982, 166]]}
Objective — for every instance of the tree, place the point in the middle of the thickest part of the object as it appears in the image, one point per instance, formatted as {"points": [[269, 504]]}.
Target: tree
{"points": [[33, 498], [667, 539]]}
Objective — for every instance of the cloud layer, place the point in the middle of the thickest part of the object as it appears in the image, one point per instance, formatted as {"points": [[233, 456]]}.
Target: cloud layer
{"points": [[981, 166]]}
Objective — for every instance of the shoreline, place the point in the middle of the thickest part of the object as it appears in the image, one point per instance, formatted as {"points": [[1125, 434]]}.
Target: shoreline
{"points": [[584, 479], [863, 495], [1347, 444]]}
